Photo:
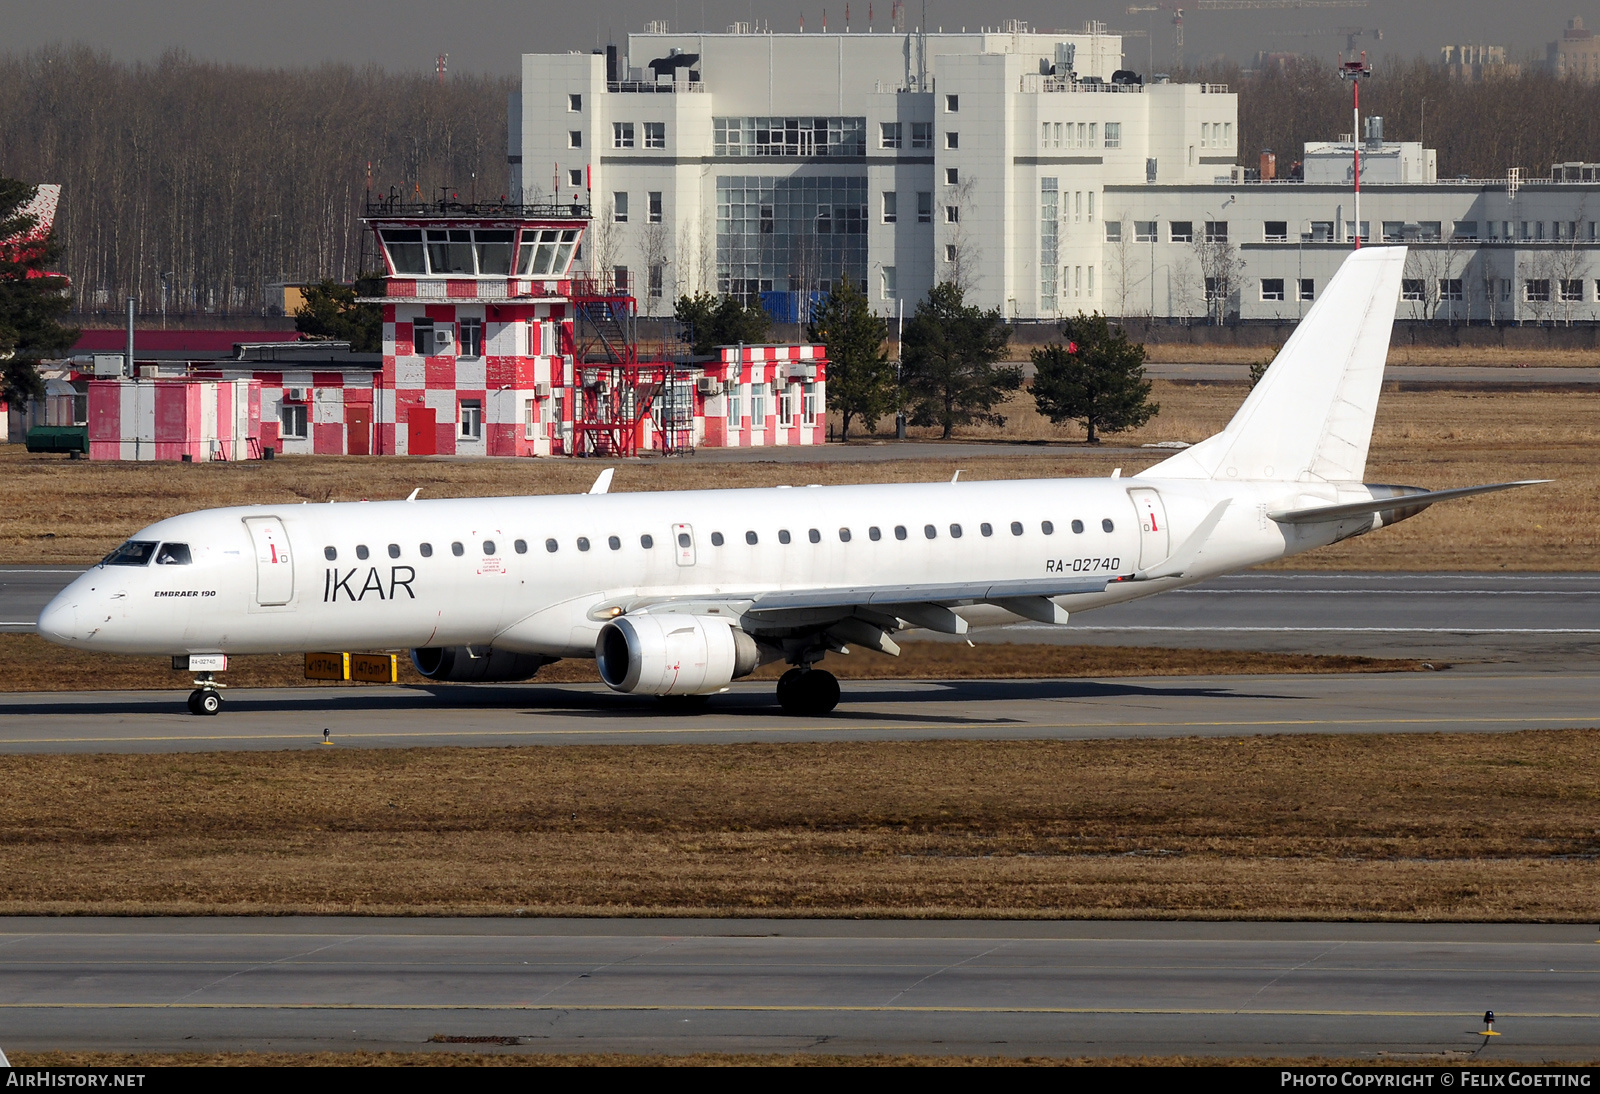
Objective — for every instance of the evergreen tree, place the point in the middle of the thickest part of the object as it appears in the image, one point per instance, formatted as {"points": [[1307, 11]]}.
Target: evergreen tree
{"points": [[712, 321], [31, 301], [1096, 378], [949, 360], [330, 311], [861, 381]]}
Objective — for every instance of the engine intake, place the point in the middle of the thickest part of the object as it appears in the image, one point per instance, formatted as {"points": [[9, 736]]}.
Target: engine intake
{"points": [[673, 654], [466, 665]]}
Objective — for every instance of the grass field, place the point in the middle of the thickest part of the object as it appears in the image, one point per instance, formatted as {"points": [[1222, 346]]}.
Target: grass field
{"points": [[62, 511], [1403, 827], [29, 663]]}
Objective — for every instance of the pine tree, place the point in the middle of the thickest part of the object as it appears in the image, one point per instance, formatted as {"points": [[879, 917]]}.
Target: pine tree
{"points": [[711, 321], [1096, 378], [861, 381], [330, 311], [31, 300], [949, 362]]}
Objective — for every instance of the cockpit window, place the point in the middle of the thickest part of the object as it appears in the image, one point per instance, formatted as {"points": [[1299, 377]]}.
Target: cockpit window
{"points": [[173, 554], [135, 552]]}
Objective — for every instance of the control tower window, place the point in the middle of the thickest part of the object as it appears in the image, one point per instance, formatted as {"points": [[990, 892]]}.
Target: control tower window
{"points": [[405, 250]]}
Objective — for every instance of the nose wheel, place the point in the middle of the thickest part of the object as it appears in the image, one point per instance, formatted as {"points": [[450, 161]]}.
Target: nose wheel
{"points": [[808, 691], [205, 701]]}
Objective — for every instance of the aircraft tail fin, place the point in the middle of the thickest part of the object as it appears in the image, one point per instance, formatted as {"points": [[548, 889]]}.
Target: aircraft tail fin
{"points": [[1309, 419]]}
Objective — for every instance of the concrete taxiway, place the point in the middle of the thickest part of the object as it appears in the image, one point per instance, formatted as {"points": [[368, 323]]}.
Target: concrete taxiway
{"points": [[991, 988], [390, 717]]}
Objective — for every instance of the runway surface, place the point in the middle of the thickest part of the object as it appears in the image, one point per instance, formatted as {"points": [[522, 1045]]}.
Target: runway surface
{"points": [[310, 984], [1527, 619], [1214, 706]]}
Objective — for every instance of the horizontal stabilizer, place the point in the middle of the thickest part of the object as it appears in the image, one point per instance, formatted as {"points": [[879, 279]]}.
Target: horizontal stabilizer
{"points": [[1327, 513]]}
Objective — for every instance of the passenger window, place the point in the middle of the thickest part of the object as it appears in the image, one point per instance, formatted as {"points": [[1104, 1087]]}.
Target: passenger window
{"points": [[173, 554], [520, 546], [844, 535], [1016, 527], [814, 536], [552, 546], [425, 550], [874, 533], [899, 531], [751, 538], [583, 542], [955, 531], [930, 531], [683, 541], [1077, 526], [986, 529], [1047, 528], [614, 543], [647, 541], [488, 547], [457, 550], [716, 539], [1107, 526], [361, 550], [331, 554], [783, 535], [394, 550]]}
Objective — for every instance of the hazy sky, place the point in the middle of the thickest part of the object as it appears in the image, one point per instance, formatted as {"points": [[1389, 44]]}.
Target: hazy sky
{"points": [[488, 35]]}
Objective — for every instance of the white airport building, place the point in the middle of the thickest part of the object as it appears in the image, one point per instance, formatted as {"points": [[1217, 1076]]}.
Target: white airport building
{"points": [[1028, 167]]}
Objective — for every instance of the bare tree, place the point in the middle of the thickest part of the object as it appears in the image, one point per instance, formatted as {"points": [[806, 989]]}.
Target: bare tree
{"points": [[1123, 264], [1220, 271], [655, 241], [962, 261]]}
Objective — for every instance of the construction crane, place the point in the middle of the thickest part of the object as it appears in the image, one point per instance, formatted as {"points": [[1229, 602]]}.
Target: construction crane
{"points": [[1177, 8], [1351, 34]]}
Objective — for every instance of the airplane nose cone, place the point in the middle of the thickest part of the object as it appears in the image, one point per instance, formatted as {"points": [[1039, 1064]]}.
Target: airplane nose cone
{"points": [[59, 621]]}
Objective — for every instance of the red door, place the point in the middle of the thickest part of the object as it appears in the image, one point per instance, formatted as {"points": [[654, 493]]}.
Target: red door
{"points": [[421, 440], [358, 429]]}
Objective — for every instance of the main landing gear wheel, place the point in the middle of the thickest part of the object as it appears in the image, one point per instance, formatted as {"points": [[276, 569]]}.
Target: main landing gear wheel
{"points": [[808, 691], [205, 701]]}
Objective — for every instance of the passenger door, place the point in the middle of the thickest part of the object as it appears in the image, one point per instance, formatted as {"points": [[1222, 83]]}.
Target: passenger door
{"points": [[1154, 542], [274, 567]]}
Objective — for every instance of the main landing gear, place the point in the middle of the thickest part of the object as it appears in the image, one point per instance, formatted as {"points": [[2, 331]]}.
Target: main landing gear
{"points": [[205, 699], [808, 691]]}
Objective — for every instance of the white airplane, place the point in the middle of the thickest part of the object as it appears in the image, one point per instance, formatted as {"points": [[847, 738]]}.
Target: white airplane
{"points": [[677, 594]]}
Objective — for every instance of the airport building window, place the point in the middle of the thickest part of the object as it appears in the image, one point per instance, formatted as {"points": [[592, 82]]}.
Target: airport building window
{"points": [[520, 546], [924, 207], [575, 103], [952, 140], [921, 135], [746, 137], [1144, 231], [1047, 527], [952, 176], [716, 539], [952, 104], [472, 329], [361, 551], [751, 538], [616, 544], [1308, 288], [574, 138], [1450, 288], [1180, 231], [1107, 526], [930, 531], [655, 134], [1272, 288], [889, 134], [471, 419], [899, 531], [621, 134], [394, 550], [292, 421], [653, 206], [425, 550], [1412, 288], [457, 550], [331, 554]]}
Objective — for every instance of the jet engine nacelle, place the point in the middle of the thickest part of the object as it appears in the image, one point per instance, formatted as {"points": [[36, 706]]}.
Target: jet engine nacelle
{"points": [[673, 654], [470, 665]]}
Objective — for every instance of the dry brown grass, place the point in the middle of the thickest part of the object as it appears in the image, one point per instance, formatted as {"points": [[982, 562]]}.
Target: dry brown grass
{"points": [[1399, 354], [29, 663], [1403, 827], [74, 512], [503, 1058]]}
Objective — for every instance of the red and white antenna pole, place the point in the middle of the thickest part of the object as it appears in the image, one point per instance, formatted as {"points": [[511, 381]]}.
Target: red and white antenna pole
{"points": [[1355, 72]]}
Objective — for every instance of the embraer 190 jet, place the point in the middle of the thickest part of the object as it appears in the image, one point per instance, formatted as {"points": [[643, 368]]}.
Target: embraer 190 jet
{"points": [[677, 594]]}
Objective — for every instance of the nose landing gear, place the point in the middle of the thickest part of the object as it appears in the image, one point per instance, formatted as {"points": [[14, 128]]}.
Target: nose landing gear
{"points": [[808, 691], [205, 699]]}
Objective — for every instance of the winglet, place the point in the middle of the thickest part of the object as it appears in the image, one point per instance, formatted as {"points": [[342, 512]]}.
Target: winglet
{"points": [[1188, 552], [413, 495], [602, 485]]}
